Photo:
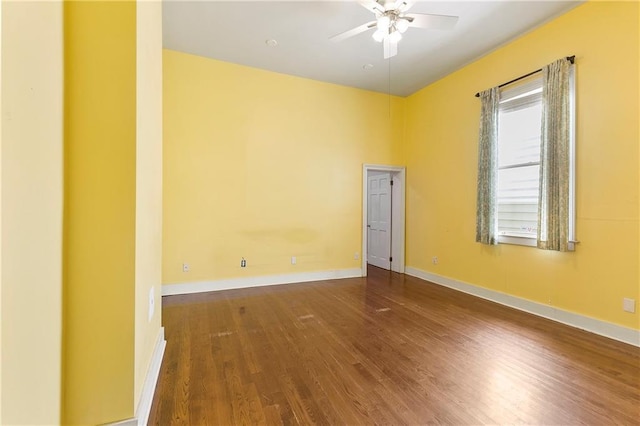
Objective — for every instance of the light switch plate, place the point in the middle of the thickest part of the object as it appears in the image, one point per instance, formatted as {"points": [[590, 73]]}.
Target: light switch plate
{"points": [[629, 305]]}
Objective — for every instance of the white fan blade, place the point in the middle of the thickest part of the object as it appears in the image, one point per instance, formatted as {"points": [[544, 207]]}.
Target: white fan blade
{"points": [[403, 5], [372, 5], [390, 48], [355, 31], [435, 22]]}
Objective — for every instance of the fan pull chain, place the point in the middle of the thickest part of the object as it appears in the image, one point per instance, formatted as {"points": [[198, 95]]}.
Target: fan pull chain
{"points": [[389, 89]]}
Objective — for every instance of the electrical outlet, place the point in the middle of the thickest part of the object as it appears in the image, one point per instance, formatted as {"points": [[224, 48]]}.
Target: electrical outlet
{"points": [[356, 256], [186, 267], [435, 260], [293, 260], [629, 305], [152, 303], [243, 263]]}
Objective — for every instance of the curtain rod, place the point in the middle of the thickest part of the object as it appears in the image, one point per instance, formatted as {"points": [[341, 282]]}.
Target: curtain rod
{"points": [[568, 58]]}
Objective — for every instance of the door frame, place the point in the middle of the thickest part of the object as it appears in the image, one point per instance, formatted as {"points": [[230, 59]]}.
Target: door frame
{"points": [[398, 175]]}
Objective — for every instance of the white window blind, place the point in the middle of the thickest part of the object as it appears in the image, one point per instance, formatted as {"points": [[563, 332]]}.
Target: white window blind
{"points": [[519, 158]]}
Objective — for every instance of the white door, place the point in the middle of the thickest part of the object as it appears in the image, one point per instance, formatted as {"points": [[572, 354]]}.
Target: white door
{"points": [[379, 220]]}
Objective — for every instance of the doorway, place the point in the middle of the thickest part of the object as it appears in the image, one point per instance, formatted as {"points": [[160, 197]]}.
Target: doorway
{"points": [[383, 217]]}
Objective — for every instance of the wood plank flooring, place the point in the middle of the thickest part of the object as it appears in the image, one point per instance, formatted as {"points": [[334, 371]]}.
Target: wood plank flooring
{"points": [[386, 349]]}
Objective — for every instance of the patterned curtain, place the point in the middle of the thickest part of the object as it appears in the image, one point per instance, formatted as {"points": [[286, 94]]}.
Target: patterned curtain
{"points": [[486, 215], [553, 212]]}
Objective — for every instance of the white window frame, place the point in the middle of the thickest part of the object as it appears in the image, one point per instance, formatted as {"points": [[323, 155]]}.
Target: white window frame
{"points": [[532, 241]]}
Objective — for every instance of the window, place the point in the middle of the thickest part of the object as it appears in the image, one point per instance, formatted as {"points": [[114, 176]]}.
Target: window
{"points": [[520, 115], [519, 135], [526, 160]]}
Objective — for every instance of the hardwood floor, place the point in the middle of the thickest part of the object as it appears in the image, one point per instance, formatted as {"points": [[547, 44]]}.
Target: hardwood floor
{"points": [[387, 349]]}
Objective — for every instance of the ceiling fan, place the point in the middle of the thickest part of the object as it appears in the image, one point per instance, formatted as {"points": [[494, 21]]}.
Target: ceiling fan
{"points": [[392, 20]]}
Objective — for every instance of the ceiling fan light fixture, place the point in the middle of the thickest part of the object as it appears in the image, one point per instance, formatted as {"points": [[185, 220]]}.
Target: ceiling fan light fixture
{"points": [[379, 35], [402, 25], [395, 37], [383, 22]]}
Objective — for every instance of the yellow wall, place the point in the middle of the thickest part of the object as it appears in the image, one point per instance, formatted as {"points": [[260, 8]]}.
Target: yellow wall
{"points": [[0, 211], [113, 206], [100, 211], [148, 185], [265, 166], [441, 141], [32, 194]]}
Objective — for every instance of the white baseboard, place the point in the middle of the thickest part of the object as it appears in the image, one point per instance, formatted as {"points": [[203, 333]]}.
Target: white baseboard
{"points": [[234, 283], [128, 422], [603, 328], [149, 387]]}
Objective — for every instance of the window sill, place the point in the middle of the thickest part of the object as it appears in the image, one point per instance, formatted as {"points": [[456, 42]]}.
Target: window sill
{"points": [[528, 241], [519, 241]]}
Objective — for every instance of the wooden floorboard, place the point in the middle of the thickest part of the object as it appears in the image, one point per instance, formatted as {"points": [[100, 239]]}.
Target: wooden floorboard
{"points": [[386, 349]]}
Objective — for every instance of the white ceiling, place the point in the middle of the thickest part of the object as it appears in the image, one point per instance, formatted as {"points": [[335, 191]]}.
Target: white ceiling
{"points": [[237, 31]]}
